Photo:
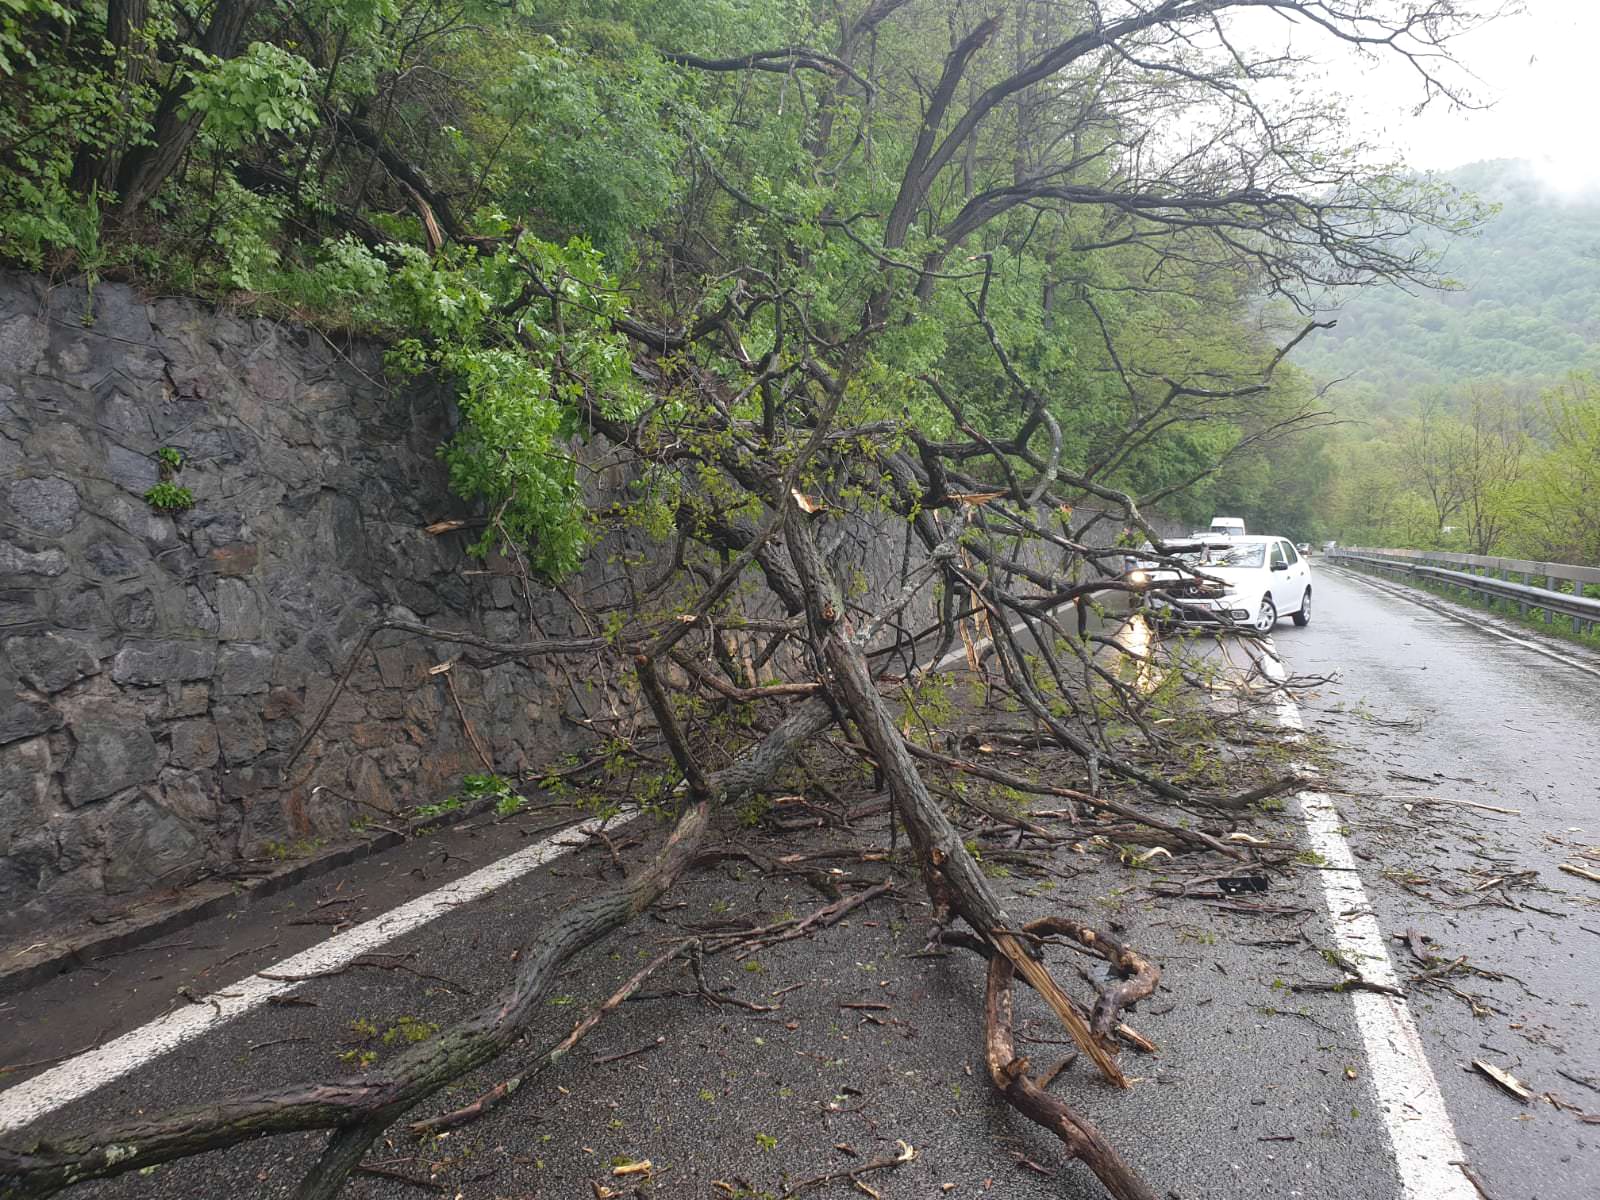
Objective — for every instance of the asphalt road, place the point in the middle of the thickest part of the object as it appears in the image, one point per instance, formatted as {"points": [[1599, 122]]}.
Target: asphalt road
{"points": [[1433, 703], [1256, 1091]]}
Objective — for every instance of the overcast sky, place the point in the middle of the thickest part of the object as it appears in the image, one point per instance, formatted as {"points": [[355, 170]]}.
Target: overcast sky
{"points": [[1541, 70]]}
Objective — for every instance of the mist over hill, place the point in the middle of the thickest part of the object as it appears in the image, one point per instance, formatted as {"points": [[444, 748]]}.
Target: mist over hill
{"points": [[1526, 308]]}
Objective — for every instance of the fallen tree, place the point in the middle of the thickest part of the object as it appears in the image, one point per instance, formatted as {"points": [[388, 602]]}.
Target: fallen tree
{"points": [[957, 288]]}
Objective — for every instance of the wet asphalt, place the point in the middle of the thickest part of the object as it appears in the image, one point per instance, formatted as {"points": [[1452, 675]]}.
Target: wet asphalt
{"points": [[1249, 1096], [1431, 705]]}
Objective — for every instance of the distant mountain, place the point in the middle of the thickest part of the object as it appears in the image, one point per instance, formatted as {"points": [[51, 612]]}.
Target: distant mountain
{"points": [[1528, 307]]}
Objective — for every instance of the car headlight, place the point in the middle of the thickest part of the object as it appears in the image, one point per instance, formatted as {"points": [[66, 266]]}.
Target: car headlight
{"points": [[1139, 577]]}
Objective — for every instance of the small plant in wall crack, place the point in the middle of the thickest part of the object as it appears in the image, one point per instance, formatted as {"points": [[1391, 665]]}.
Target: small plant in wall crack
{"points": [[167, 496]]}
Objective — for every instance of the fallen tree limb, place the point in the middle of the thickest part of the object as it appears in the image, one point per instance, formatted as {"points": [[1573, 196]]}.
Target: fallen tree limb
{"points": [[1192, 837], [1244, 800], [1139, 975], [953, 879], [358, 1108], [1009, 1074], [506, 1088]]}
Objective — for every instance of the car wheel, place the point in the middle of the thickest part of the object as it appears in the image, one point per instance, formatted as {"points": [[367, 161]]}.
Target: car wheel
{"points": [[1267, 617], [1303, 617]]}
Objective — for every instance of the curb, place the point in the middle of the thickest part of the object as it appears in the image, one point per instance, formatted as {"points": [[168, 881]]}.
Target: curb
{"points": [[72, 947]]}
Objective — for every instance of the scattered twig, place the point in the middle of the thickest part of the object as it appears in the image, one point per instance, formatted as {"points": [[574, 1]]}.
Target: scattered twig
{"points": [[1504, 1078], [402, 1177], [853, 1174]]}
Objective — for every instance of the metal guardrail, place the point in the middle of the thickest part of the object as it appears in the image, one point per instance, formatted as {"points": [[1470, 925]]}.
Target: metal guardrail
{"points": [[1560, 594]]}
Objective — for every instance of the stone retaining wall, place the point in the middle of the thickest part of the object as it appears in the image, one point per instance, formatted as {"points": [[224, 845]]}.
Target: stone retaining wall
{"points": [[156, 669]]}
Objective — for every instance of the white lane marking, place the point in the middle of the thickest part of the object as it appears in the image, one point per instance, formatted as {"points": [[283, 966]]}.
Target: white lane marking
{"points": [[26, 1102], [1420, 1130], [1401, 592]]}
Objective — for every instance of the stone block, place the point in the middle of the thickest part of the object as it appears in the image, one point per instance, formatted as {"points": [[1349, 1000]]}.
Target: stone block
{"points": [[131, 470], [194, 744], [146, 843], [113, 752], [247, 782], [26, 774], [281, 702], [145, 664], [186, 700], [26, 718], [394, 667], [369, 787], [135, 610], [368, 735], [20, 606], [240, 733], [236, 560], [48, 506], [51, 662], [85, 609], [238, 611], [191, 795], [114, 561], [22, 342], [14, 560], [243, 670]]}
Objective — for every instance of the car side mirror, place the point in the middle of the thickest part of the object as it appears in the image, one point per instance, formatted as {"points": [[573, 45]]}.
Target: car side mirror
{"points": [[1280, 566]]}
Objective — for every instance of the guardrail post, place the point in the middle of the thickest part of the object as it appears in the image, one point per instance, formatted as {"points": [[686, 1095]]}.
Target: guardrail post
{"points": [[1550, 584]]}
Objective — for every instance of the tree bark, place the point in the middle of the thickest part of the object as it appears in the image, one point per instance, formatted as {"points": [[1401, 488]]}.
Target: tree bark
{"points": [[953, 879]]}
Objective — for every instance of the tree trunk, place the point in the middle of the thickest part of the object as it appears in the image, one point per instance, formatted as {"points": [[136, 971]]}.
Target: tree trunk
{"points": [[144, 171]]}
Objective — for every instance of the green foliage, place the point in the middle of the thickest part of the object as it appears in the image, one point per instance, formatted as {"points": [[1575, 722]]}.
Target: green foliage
{"points": [[499, 195], [408, 1031], [427, 812], [499, 789], [167, 496], [1523, 307], [265, 91]]}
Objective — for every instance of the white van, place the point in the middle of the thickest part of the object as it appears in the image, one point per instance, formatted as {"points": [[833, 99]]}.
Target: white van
{"points": [[1227, 526]]}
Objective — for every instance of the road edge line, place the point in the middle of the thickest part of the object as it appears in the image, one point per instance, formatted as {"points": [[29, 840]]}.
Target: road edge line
{"points": [[26, 1102], [1428, 1154]]}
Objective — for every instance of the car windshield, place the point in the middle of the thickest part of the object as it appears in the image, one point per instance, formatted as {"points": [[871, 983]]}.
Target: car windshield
{"points": [[1235, 556]]}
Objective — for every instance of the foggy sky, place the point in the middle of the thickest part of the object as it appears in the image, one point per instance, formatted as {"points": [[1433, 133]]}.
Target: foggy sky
{"points": [[1538, 68]]}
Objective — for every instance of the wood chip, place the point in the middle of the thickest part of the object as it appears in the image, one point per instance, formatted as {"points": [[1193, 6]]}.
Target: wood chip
{"points": [[1582, 872], [1505, 1079], [807, 504]]}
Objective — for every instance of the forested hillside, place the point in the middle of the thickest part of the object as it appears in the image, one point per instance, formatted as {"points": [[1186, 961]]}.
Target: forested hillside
{"points": [[1525, 301], [1470, 416]]}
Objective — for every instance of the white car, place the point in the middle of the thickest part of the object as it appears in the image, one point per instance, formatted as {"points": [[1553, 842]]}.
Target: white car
{"points": [[1259, 580]]}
